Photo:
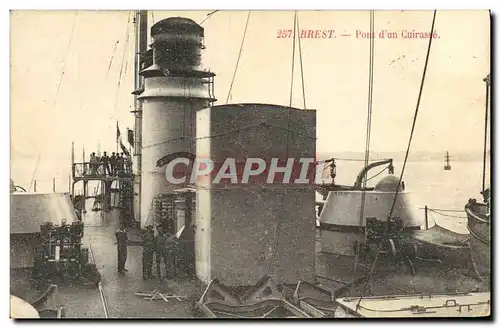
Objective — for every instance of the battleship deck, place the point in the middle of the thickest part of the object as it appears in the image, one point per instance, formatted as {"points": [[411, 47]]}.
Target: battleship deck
{"points": [[334, 273], [85, 301]]}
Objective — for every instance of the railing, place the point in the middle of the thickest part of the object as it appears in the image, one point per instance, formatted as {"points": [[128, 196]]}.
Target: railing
{"points": [[97, 170], [451, 213]]}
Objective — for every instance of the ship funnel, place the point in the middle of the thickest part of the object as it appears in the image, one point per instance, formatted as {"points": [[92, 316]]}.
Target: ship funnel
{"points": [[177, 45], [175, 87]]}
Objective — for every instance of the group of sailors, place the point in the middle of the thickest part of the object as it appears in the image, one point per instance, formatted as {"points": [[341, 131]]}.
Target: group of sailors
{"points": [[114, 165], [159, 248]]}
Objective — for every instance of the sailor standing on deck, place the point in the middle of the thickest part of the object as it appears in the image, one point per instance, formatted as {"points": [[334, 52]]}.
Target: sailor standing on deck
{"points": [[165, 246], [127, 163], [121, 240], [93, 164], [148, 250], [105, 163], [119, 164], [98, 164], [112, 161], [170, 246], [160, 249]]}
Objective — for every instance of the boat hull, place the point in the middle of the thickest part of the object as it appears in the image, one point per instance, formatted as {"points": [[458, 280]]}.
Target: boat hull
{"points": [[479, 227]]}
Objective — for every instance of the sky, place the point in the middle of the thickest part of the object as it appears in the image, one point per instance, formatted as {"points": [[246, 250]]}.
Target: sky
{"points": [[49, 112]]}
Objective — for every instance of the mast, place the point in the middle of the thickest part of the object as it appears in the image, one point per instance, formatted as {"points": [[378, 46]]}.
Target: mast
{"points": [[447, 165], [486, 80], [140, 36]]}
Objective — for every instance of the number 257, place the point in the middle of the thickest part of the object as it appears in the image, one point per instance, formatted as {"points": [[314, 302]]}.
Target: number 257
{"points": [[283, 34]]}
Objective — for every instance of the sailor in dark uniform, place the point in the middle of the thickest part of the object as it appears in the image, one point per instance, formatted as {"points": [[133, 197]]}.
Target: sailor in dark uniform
{"points": [[121, 239], [160, 249], [170, 250], [148, 250], [119, 164], [105, 163], [165, 249], [112, 162]]}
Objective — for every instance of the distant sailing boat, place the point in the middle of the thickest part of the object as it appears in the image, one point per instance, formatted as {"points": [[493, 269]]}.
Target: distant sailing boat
{"points": [[447, 166]]}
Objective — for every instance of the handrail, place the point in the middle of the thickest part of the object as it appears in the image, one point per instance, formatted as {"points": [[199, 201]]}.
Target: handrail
{"points": [[441, 210], [97, 169]]}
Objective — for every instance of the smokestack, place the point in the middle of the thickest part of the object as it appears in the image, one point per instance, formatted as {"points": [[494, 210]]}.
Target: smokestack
{"points": [[175, 88]]}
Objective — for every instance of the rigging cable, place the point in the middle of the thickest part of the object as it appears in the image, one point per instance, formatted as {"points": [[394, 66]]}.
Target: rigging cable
{"points": [[301, 65], [239, 57], [246, 127], [111, 59], [123, 61], [415, 115], [368, 137], [293, 54], [442, 210], [359, 159], [78, 72], [379, 173], [447, 215], [127, 50], [370, 108], [34, 171], [407, 150], [208, 16], [65, 59], [58, 86]]}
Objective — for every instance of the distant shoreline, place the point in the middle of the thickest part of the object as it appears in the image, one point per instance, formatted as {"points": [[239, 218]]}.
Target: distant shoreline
{"points": [[413, 157]]}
